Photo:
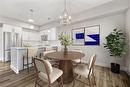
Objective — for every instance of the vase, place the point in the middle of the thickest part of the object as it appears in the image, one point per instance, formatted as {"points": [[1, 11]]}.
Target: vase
{"points": [[65, 49]]}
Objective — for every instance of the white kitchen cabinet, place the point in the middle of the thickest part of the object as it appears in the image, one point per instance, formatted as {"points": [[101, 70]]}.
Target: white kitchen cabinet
{"points": [[25, 35], [31, 36], [51, 33]]}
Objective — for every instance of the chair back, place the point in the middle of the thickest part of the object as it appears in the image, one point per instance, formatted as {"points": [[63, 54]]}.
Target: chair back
{"points": [[78, 50], [91, 64], [43, 66], [32, 52], [77, 60], [55, 48]]}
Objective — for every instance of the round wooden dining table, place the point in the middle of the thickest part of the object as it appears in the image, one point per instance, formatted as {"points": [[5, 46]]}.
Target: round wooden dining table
{"points": [[65, 63]]}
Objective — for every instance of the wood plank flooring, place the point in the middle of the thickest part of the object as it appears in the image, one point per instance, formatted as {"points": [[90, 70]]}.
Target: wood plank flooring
{"points": [[104, 78]]}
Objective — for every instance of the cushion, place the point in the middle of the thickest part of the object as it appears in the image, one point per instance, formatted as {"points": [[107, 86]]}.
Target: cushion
{"points": [[32, 52], [56, 73], [40, 64], [49, 51], [82, 70], [77, 60], [49, 66]]}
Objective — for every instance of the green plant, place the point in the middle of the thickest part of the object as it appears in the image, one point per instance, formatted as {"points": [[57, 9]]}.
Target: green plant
{"points": [[64, 39], [115, 43], [27, 45]]}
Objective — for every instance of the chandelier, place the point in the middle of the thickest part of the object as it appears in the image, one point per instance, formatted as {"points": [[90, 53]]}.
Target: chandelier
{"points": [[65, 19]]}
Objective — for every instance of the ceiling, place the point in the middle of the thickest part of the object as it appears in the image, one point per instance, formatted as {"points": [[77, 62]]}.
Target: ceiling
{"points": [[44, 9]]}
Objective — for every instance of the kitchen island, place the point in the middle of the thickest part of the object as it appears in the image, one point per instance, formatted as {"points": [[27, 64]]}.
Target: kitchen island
{"points": [[17, 54], [17, 58]]}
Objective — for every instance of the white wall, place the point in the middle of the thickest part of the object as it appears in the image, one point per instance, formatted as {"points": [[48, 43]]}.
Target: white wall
{"points": [[107, 25], [128, 35]]}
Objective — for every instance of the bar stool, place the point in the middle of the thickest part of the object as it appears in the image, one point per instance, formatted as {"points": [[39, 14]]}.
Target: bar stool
{"points": [[27, 59], [40, 52]]}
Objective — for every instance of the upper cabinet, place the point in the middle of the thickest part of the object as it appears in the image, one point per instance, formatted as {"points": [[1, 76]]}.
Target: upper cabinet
{"points": [[11, 28], [30, 36], [48, 35], [25, 35]]}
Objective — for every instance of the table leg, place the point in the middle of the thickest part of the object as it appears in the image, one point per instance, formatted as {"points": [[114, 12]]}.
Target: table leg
{"points": [[67, 67]]}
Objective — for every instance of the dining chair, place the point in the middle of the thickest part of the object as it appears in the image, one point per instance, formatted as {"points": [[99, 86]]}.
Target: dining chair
{"points": [[27, 59], [48, 50], [45, 72], [77, 61], [86, 71], [52, 61]]}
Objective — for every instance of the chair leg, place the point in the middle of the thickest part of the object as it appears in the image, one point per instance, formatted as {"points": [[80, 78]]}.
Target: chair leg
{"points": [[32, 62], [89, 79], [23, 62], [94, 78], [74, 83], [49, 85], [35, 84], [36, 81], [27, 65], [61, 81]]}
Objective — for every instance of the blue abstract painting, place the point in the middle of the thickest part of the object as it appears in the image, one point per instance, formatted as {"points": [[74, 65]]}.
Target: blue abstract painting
{"points": [[92, 35], [79, 35]]}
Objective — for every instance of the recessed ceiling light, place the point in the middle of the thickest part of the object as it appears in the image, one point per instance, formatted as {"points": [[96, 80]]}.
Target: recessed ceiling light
{"points": [[31, 27], [49, 18], [30, 20], [49, 31]]}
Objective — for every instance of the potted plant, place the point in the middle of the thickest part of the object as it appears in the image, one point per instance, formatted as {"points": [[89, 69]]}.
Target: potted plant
{"points": [[115, 44], [65, 40]]}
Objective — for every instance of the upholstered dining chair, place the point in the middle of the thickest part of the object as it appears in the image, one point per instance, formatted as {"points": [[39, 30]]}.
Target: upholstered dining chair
{"points": [[86, 71], [27, 59], [52, 61], [77, 61], [45, 72], [49, 50]]}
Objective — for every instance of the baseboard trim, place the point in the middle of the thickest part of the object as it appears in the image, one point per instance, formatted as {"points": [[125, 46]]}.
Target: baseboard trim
{"points": [[128, 73], [123, 68]]}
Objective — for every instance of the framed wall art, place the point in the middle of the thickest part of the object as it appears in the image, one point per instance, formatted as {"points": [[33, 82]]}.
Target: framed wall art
{"points": [[78, 36], [92, 35]]}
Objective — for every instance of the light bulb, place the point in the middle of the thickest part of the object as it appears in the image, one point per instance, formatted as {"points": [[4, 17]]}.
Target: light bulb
{"points": [[30, 20], [31, 27]]}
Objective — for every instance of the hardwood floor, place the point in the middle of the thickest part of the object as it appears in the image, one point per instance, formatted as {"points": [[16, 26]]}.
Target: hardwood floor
{"points": [[104, 78], [4, 66]]}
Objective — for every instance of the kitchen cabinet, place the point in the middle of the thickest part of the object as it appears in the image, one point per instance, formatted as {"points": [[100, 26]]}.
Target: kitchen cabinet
{"points": [[51, 34], [30, 36]]}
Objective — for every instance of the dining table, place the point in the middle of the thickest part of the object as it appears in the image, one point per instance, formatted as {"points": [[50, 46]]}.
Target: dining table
{"points": [[65, 62]]}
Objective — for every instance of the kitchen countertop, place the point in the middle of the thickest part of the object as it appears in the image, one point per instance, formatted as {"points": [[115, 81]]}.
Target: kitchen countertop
{"points": [[24, 48]]}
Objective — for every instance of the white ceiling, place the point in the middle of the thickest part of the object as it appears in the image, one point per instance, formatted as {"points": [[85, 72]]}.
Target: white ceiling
{"points": [[44, 9]]}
